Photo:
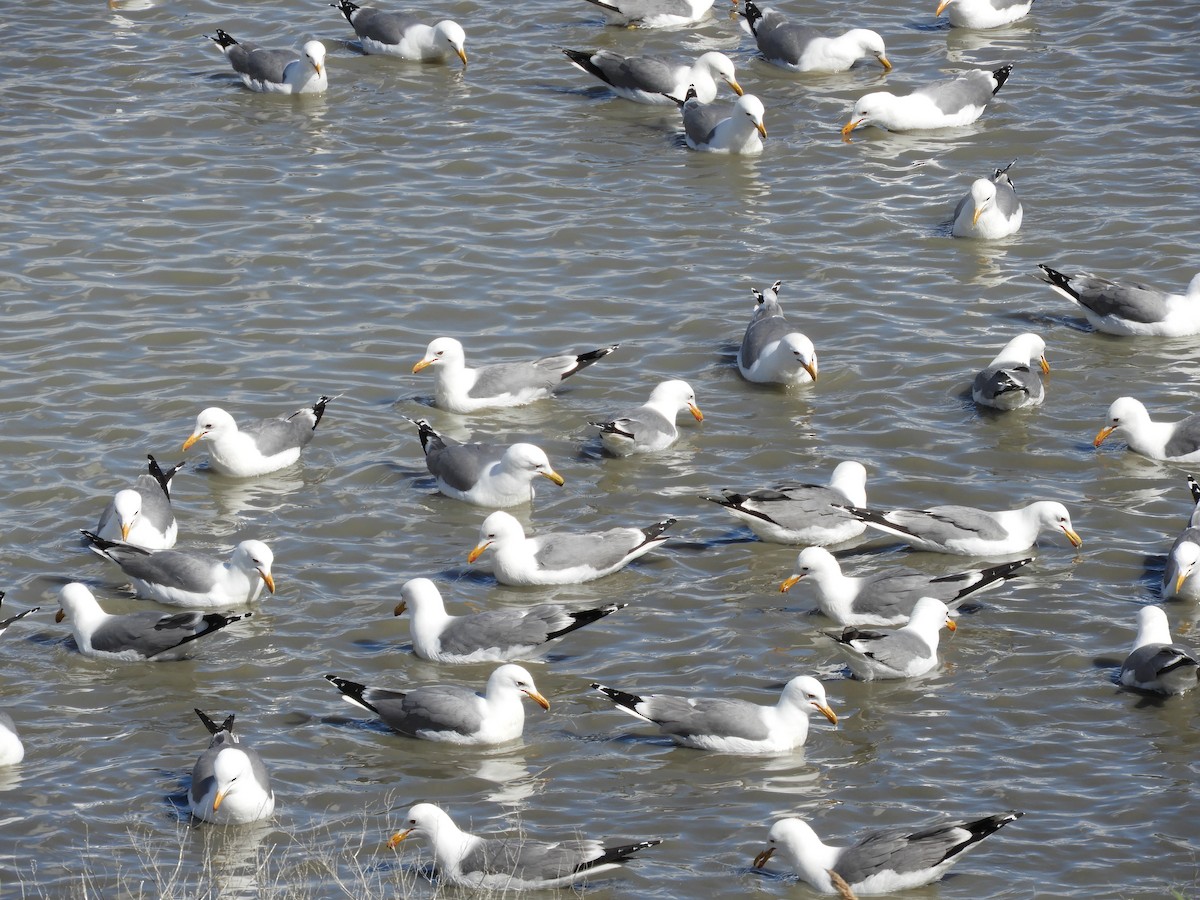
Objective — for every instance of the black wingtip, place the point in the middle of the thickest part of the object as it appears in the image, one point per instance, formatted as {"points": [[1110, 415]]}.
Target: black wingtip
{"points": [[213, 727], [617, 854], [621, 698], [752, 15], [1057, 279], [1000, 75], [222, 39], [1193, 486]]}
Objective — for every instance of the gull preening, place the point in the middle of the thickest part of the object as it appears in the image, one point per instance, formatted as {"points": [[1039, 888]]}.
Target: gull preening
{"points": [[230, 783], [1128, 418], [449, 713], [257, 449], [1156, 663], [404, 35], [650, 427], [888, 598], [797, 513], [712, 128], [798, 48], [1127, 310], [561, 557], [727, 725], [496, 635], [990, 210], [1010, 381], [654, 80], [505, 864], [772, 351], [946, 104], [969, 531], [145, 635], [904, 653], [275, 71], [881, 861], [459, 388], [490, 475], [142, 514], [193, 580], [984, 13]]}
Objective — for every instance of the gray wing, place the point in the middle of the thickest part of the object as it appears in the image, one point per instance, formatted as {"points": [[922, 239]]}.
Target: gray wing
{"points": [[150, 633], [705, 716], [599, 549], [641, 424], [648, 9], [385, 27], [273, 436], [994, 385], [258, 63], [892, 594], [767, 326], [945, 523], [899, 852], [176, 568], [530, 861], [895, 649], [1006, 195], [1186, 437], [1137, 303], [635, 73], [462, 465], [973, 89], [1153, 662], [964, 203], [779, 39], [502, 629], [791, 505], [701, 119], [156, 506], [511, 378], [433, 708]]}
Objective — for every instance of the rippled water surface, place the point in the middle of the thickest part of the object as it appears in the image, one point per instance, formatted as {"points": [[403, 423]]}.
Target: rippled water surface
{"points": [[172, 241]]}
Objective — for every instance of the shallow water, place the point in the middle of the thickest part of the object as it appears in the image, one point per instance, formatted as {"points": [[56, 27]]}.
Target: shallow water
{"points": [[175, 241]]}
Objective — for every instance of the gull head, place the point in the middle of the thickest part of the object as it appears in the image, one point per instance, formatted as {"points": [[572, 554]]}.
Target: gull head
{"points": [[255, 556], [452, 33], [806, 693], [443, 350], [212, 423]]}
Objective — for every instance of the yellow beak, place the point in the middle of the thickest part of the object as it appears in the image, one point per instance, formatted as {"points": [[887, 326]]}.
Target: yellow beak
{"points": [[737, 88], [398, 837], [789, 583], [811, 369], [61, 614], [195, 437], [1045, 366], [462, 54], [400, 608], [422, 364], [883, 61], [761, 859], [217, 799], [538, 699], [125, 531], [267, 580], [1102, 434], [950, 624], [827, 712], [1076, 540], [553, 476], [849, 127], [942, 6], [692, 407], [978, 213], [762, 129], [477, 551], [1178, 584]]}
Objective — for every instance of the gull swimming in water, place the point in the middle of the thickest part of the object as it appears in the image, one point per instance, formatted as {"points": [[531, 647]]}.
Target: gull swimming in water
{"points": [[798, 48], [654, 80], [1009, 381], [1129, 310], [946, 104], [259, 448], [230, 783], [650, 427], [654, 13], [275, 71], [403, 35], [509, 864], [984, 13], [1156, 663], [1178, 575], [1128, 418], [904, 653], [459, 388], [881, 861], [707, 128], [728, 725], [772, 351], [990, 210], [142, 514]]}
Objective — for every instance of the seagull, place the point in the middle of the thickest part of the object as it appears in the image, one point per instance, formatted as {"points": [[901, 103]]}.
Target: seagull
{"points": [[968, 531], [497, 635], [888, 598], [730, 726], [1155, 663], [946, 104], [189, 579], [984, 13], [1177, 580], [265, 446], [654, 13], [1009, 381], [275, 71], [799, 48], [1129, 309], [4, 623], [12, 751], [654, 80], [142, 515], [903, 653], [460, 389], [773, 352], [1128, 418], [507, 864], [990, 210], [449, 713], [707, 129], [561, 557], [795, 513], [230, 784], [484, 474], [400, 34], [881, 861], [650, 427], [136, 636]]}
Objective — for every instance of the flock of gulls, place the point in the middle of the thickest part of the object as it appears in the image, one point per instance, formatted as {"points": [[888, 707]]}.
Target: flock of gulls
{"points": [[888, 623]]}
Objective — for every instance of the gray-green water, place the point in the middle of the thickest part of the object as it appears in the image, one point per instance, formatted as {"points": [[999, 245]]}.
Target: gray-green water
{"points": [[171, 240]]}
